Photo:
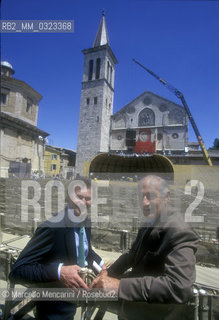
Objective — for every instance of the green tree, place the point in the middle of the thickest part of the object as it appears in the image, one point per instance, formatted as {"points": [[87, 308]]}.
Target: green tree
{"points": [[215, 145]]}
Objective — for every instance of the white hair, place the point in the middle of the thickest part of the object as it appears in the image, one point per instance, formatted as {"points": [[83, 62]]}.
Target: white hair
{"points": [[157, 181]]}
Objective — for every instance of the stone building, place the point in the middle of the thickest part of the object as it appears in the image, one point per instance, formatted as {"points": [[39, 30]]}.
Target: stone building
{"points": [[149, 124], [59, 162], [96, 99], [21, 142]]}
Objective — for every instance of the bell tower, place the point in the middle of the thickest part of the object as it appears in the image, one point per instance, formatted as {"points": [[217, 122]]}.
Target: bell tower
{"points": [[96, 104]]}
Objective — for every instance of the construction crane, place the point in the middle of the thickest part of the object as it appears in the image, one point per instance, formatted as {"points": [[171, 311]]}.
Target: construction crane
{"points": [[180, 96]]}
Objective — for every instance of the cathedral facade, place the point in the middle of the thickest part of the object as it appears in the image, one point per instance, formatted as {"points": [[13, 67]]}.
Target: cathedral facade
{"points": [[147, 125]]}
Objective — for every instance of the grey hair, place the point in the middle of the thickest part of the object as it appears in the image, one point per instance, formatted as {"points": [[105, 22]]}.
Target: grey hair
{"points": [[156, 180]]}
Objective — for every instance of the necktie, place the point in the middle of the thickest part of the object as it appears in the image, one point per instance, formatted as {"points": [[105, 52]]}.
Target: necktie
{"points": [[81, 255]]}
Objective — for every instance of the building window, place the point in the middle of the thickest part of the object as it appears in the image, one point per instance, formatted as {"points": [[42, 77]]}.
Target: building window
{"points": [[54, 156], [108, 69], [4, 98], [97, 118], [29, 106], [159, 136], [53, 167], [175, 135], [95, 100], [88, 101], [91, 65], [143, 136], [98, 68], [111, 75], [146, 118], [106, 102]]}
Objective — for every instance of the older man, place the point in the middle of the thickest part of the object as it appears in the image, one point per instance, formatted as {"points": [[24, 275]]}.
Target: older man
{"points": [[53, 257], [162, 258]]}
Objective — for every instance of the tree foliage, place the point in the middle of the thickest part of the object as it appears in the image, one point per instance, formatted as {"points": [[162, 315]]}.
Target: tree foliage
{"points": [[215, 145]]}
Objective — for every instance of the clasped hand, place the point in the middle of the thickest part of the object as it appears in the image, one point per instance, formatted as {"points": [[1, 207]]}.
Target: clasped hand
{"points": [[70, 277], [105, 282]]}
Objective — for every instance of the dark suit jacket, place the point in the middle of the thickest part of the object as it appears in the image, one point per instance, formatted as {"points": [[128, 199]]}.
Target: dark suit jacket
{"points": [[51, 244], [163, 264]]}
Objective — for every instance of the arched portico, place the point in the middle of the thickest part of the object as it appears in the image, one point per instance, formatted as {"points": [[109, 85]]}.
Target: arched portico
{"points": [[110, 163]]}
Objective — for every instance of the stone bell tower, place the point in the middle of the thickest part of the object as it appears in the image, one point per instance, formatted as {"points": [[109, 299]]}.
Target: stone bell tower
{"points": [[96, 104]]}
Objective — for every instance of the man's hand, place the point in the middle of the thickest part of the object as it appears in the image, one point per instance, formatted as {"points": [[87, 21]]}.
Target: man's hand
{"points": [[105, 282], [104, 267], [70, 277], [102, 272]]}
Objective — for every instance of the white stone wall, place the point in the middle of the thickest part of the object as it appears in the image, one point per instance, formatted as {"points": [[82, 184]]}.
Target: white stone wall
{"points": [[118, 140], [170, 118], [37, 159], [170, 143], [16, 147], [17, 101]]}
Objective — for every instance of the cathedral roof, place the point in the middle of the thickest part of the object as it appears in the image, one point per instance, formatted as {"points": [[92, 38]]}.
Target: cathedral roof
{"points": [[128, 107], [6, 64], [102, 34], [6, 69]]}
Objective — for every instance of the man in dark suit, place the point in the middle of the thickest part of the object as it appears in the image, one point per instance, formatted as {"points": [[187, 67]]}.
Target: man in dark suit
{"points": [[53, 255], [162, 260]]}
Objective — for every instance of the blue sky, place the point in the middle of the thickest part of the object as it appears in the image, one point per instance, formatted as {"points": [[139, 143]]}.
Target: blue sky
{"points": [[178, 40]]}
